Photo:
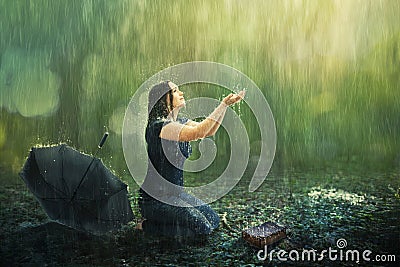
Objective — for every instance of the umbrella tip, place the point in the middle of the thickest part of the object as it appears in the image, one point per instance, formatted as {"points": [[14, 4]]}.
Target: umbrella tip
{"points": [[103, 140]]}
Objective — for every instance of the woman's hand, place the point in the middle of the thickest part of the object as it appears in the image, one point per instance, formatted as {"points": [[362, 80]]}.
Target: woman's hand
{"points": [[233, 98]]}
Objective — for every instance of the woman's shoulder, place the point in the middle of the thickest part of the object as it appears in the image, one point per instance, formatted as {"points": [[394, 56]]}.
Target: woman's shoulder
{"points": [[154, 127], [157, 122], [163, 122]]}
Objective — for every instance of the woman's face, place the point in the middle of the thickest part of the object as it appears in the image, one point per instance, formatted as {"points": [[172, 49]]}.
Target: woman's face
{"points": [[178, 100]]}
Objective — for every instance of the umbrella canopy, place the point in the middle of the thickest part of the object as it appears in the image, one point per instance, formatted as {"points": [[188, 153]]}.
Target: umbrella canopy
{"points": [[77, 189]]}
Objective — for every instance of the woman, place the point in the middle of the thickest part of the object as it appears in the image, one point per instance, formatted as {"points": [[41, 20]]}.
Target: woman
{"points": [[167, 138]]}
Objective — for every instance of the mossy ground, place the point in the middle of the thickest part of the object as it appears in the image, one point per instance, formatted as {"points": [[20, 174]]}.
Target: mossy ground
{"points": [[317, 207]]}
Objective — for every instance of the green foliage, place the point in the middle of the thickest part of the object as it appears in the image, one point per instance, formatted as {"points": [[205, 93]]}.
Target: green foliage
{"points": [[331, 79]]}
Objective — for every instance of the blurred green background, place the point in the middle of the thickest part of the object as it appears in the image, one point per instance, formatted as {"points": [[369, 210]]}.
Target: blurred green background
{"points": [[330, 71]]}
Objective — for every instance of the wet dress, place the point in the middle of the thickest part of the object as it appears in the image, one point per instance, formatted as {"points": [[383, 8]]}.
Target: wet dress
{"points": [[191, 216]]}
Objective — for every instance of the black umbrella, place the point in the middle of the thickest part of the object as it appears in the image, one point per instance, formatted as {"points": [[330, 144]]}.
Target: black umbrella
{"points": [[76, 189]]}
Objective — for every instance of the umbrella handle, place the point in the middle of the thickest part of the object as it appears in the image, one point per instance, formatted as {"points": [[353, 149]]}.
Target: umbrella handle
{"points": [[103, 140]]}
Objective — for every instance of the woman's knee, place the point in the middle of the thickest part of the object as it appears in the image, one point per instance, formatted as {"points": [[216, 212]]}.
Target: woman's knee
{"points": [[211, 215], [214, 221], [203, 228]]}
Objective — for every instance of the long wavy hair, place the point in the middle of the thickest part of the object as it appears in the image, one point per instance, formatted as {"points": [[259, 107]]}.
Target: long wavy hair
{"points": [[157, 106]]}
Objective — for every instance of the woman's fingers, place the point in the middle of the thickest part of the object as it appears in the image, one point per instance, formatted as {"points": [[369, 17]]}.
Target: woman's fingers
{"points": [[234, 98], [237, 97]]}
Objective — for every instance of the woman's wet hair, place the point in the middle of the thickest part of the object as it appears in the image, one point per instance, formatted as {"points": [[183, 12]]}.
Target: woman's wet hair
{"points": [[157, 106]]}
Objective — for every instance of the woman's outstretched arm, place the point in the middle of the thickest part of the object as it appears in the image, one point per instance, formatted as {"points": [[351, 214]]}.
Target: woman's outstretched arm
{"points": [[214, 129], [207, 127]]}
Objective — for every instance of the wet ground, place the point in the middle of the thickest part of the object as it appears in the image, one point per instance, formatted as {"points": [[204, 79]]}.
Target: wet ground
{"points": [[318, 207]]}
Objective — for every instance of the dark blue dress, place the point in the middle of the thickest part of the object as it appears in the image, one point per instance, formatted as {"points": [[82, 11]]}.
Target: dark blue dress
{"points": [[166, 158]]}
